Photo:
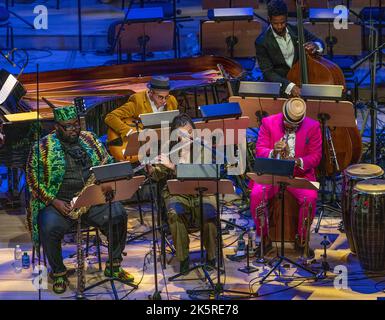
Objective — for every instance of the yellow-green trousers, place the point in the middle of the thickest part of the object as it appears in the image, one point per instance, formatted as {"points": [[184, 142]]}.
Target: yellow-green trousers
{"points": [[183, 213]]}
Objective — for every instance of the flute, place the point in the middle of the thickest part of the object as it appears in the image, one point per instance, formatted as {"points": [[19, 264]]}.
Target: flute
{"points": [[143, 165]]}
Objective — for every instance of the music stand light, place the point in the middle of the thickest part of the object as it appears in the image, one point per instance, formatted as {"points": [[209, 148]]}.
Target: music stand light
{"points": [[326, 15], [230, 14], [220, 111], [193, 172], [259, 89], [145, 14], [322, 91]]}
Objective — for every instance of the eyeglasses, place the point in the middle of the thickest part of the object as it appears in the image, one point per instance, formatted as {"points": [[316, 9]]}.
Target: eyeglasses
{"points": [[160, 97], [70, 127]]}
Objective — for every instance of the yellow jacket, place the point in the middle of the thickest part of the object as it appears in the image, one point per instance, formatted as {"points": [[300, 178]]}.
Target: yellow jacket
{"points": [[137, 104]]}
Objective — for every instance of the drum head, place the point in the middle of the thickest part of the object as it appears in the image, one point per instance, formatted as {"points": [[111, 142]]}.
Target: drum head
{"points": [[372, 186], [364, 170]]}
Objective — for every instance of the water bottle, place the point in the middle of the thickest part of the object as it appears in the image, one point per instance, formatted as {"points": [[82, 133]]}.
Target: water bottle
{"points": [[241, 246], [25, 261], [17, 263], [252, 237]]}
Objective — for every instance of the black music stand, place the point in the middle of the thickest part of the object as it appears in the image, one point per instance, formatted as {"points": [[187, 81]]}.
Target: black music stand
{"points": [[193, 180], [111, 185], [279, 172], [259, 89], [205, 182]]}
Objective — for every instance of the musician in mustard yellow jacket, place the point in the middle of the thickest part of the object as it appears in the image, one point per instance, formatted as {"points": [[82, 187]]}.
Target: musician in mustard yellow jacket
{"points": [[156, 99]]}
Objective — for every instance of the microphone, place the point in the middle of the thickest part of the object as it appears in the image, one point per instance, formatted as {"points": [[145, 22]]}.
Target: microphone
{"points": [[6, 57]]}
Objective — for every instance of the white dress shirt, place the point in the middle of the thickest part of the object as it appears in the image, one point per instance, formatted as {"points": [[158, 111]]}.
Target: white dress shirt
{"points": [[287, 48]]}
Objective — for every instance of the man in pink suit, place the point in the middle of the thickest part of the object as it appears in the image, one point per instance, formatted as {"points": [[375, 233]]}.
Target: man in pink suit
{"points": [[289, 135]]}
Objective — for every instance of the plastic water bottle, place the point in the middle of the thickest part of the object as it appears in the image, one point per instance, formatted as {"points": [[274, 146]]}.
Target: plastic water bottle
{"points": [[25, 261], [252, 238], [17, 262]]}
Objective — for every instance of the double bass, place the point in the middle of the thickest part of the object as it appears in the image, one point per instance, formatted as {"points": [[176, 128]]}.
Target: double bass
{"points": [[344, 145]]}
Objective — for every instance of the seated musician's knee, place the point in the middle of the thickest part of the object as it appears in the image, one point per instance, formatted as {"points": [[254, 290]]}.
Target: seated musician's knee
{"points": [[50, 224], [209, 212], [175, 208]]}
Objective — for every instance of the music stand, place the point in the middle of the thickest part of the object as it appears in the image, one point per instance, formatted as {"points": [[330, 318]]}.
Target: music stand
{"points": [[203, 187], [259, 89], [200, 188], [132, 148], [144, 37], [229, 38], [108, 191], [283, 182]]}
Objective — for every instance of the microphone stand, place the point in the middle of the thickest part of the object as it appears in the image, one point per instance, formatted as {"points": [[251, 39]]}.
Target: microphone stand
{"points": [[38, 163]]}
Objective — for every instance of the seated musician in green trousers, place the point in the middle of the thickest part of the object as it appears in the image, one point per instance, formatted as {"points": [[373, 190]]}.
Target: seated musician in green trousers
{"points": [[183, 210]]}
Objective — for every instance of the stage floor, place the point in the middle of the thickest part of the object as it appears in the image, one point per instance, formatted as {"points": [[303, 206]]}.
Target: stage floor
{"points": [[294, 285]]}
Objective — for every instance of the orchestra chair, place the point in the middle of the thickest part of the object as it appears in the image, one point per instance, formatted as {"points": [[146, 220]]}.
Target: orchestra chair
{"points": [[291, 218], [213, 4], [229, 38]]}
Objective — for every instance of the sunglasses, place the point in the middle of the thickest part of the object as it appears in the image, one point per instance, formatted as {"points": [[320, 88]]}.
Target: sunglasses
{"points": [[70, 127], [160, 97]]}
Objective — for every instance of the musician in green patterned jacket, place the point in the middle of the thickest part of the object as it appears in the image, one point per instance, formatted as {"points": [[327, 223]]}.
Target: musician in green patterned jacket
{"points": [[183, 210], [57, 169]]}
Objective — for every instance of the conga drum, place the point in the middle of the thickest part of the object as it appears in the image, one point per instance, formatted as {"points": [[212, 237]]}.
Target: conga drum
{"points": [[352, 175], [368, 224]]}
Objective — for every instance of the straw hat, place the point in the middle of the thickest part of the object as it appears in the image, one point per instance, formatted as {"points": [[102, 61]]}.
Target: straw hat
{"points": [[294, 110]]}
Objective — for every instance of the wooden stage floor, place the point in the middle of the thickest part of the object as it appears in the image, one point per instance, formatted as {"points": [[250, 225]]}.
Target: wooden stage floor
{"points": [[294, 285]]}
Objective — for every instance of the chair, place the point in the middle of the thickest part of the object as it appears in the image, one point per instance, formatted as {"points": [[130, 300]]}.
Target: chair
{"points": [[85, 229], [291, 218]]}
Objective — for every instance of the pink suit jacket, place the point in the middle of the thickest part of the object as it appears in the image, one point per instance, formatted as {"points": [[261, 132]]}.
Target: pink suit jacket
{"points": [[308, 143]]}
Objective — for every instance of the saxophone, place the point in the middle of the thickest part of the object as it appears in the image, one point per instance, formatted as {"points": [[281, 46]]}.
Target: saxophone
{"points": [[80, 272]]}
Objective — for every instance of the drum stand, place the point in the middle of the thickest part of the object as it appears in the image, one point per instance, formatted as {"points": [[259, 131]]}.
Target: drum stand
{"points": [[325, 264]]}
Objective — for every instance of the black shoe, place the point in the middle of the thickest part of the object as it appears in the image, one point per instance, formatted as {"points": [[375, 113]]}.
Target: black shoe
{"points": [[184, 266]]}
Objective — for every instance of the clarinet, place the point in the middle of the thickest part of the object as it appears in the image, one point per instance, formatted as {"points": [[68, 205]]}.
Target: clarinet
{"points": [[81, 280]]}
